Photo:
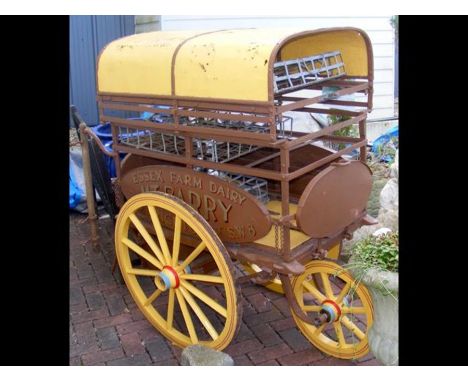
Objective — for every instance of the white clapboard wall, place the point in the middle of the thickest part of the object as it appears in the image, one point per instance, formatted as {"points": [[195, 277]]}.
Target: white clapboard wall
{"points": [[379, 29]]}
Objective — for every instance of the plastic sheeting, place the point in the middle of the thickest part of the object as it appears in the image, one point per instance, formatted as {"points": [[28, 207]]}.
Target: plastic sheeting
{"points": [[77, 194], [384, 139]]}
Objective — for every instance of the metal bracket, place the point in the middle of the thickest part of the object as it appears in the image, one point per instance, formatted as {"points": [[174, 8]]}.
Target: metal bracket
{"points": [[286, 283], [261, 277]]}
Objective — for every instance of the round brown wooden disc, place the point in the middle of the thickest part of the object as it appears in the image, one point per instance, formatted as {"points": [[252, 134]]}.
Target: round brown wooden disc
{"points": [[334, 199]]}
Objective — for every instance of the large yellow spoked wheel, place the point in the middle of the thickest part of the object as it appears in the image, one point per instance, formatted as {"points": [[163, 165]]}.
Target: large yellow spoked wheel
{"points": [[275, 284], [326, 289], [187, 293]]}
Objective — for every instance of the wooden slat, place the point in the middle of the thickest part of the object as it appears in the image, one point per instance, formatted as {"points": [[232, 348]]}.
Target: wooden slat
{"points": [[326, 130], [221, 134], [261, 173]]}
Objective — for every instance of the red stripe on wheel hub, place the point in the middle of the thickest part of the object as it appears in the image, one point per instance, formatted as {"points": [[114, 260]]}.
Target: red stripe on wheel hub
{"points": [[174, 273], [335, 305]]}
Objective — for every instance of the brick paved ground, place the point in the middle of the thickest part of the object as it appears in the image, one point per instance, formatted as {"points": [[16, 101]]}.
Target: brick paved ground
{"points": [[106, 327]]}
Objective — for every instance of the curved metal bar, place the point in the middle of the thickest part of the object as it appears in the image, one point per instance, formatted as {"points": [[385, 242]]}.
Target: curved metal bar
{"points": [[91, 134], [286, 283]]}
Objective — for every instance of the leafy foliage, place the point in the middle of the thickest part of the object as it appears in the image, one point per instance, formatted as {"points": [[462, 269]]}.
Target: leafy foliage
{"points": [[348, 131], [378, 252], [387, 151]]}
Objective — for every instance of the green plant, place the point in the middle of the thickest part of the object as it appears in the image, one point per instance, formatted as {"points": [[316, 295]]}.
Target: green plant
{"points": [[387, 151], [377, 252], [348, 131], [374, 253]]}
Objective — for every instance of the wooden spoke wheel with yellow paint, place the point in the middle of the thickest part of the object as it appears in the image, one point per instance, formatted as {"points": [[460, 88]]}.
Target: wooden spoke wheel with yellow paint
{"points": [[188, 293], [327, 292]]}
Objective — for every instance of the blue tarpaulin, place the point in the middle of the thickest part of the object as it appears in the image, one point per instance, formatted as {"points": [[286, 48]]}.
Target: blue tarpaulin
{"points": [[77, 195], [384, 139], [77, 191]]}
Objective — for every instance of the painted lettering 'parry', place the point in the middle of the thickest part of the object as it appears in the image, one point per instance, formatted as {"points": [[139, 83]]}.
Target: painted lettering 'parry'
{"points": [[233, 213]]}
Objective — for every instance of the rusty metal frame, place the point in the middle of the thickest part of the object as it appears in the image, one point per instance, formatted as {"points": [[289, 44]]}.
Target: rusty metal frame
{"points": [[260, 112]]}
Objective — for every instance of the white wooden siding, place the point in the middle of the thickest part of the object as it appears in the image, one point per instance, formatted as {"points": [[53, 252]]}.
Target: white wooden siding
{"points": [[378, 29]]}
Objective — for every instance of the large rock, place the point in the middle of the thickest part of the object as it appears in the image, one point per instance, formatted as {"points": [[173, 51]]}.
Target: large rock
{"points": [[373, 204], [388, 213], [199, 355], [394, 167], [389, 219], [389, 195], [358, 235]]}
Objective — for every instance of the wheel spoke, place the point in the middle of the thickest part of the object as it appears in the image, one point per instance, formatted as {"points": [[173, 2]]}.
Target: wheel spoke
{"points": [[314, 291], [170, 309], [176, 240], [153, 297], [343, 293], [315, 281], [205, 278], [312, 308], [353, 310], [205, 298], [187, 318], [320, 329], [140, 251], [352, 326], [149, 240], [141, 272], [327, 286], [192, 256], [160, 233], [201, 316], [339, 333]]}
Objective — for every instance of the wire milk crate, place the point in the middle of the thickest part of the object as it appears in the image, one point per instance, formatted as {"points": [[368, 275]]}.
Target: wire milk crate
{"points": [[295, 74], [205, 149]]}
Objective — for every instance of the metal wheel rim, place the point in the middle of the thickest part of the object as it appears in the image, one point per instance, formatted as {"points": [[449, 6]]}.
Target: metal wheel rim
{"points": [[344, 348]]}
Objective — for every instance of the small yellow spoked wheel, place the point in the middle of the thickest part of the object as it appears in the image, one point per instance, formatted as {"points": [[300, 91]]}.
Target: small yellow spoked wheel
{"points": [[328, 290], [186, 306]]}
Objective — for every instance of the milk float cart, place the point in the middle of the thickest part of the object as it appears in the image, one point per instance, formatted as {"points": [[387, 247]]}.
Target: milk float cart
{"points": [[216, 174]]}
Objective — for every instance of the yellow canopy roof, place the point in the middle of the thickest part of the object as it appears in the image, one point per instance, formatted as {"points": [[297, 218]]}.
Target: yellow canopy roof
{"points": [[235, 64]]}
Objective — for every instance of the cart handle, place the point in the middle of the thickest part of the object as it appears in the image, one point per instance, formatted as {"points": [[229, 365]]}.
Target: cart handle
{"points": [[92, 135], [80, 123]]}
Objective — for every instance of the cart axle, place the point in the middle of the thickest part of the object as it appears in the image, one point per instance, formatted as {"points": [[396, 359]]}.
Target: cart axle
{"points": [[168, 278]]}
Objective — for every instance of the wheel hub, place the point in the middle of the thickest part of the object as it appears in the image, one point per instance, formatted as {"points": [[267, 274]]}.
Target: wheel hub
{"points": [[331, 309], [169, 278], [166, 279]]}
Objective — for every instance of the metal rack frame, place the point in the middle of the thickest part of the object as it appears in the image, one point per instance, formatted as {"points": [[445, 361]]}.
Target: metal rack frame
{"points": [[298, 73]]}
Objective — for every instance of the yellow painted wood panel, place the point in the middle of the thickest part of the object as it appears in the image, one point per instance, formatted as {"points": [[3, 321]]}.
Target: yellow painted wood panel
{"points": [[297, 237], [350, 43], [230, 64], [140, 64]]}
